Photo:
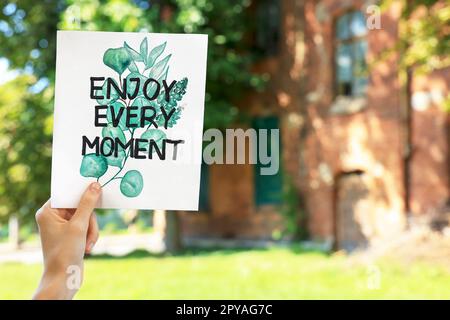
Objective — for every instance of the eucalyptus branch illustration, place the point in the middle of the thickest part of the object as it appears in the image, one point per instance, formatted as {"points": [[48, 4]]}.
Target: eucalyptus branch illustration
{"points": [[143, 65]]}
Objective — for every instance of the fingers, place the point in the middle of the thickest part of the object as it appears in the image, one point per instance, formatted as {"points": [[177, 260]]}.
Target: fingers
{"points": [[41, 212], [68, 214], [87, 204], [46, 213], [92, 234]]}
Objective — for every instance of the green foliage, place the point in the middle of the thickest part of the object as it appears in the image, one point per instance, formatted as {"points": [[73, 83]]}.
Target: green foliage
{"points": [[446, 104], [30, 37], [424, 37], [25, 147], [226, 23], [28, 41], [292, 211]]}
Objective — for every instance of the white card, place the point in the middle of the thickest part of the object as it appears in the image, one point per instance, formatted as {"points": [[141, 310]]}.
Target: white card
{"points": [[129, 114]]}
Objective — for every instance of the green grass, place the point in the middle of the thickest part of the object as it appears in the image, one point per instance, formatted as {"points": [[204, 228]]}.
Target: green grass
{"points": [[238, 274]]}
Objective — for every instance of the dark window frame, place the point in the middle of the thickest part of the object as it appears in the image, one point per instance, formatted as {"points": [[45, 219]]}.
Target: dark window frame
{"points": [[204, 201], [268, 29], [351, 40], [261, 195]]}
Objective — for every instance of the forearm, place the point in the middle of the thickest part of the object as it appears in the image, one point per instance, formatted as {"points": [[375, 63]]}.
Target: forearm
{"points": [[54, 286], [66, 236]]}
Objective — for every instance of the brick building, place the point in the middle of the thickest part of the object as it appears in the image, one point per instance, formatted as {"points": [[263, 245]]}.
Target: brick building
{"points": [[345, 132]]}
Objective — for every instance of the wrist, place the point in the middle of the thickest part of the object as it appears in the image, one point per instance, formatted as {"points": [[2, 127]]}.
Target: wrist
{"points": [[54, 285]]}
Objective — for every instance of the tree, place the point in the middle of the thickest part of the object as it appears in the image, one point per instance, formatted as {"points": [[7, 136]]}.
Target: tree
{"points": [[25, 153], [28, 38], [26, 106], [423, 46]]}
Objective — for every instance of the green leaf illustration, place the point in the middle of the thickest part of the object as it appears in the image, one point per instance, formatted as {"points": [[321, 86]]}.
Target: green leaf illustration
{"points": [[113, 132], [176, 94], [151, 89], [132, 183], [133, 67], [154, 55], [93, 165], [164, 75], [140, 102], [131, 85], [121, 59], [117, 105], [112, 160], [117, 59], [133, 53], [159, 68], [144, 49], [116, 161], [157, 135]]}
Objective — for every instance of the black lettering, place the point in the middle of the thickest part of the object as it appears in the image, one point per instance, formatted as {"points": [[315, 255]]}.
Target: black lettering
{"points": [[125, 146], [136, 90], [91, 145], [115, 119], [167, 116], [130, 116], [175, 144], [110, 145], [111, 83], [161, 152], [145, 118], [168, 88], [94, 87], [138, 149], [156, 93], [99, 116]]}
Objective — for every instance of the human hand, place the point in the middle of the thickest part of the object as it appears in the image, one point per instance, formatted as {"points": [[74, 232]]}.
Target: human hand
{"points": [[66, 235]]}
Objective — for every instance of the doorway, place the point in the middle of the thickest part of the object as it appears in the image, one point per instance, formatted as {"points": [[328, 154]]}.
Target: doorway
{"points": [[350, 190]]}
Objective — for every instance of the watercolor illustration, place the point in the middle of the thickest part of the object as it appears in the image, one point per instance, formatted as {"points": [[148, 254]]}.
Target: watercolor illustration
{"points": [[130, 64]]}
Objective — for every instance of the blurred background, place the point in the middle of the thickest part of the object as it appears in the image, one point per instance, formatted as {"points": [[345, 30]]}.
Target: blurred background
{"points": [[361, 205]]}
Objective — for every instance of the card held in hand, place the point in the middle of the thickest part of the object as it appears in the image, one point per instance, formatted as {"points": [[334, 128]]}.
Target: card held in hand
{"points": [[129, 114]]}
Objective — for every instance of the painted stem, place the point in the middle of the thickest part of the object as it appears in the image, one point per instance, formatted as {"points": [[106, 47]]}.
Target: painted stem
{"points": [[121, 168], [115, 177]]}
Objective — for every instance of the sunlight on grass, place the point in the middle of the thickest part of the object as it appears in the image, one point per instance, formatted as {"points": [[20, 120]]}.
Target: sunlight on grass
{"points": [[237, 274]]}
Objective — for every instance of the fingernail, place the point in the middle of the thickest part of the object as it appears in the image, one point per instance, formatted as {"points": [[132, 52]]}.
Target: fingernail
{"points": [[95, 186], [91, 246]]}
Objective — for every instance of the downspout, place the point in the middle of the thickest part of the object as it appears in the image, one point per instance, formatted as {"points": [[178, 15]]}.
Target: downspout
{"points": [[408, 142]]}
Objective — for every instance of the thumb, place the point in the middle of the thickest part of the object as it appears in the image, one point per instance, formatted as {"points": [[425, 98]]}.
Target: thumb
{"points": [[87, 204]]}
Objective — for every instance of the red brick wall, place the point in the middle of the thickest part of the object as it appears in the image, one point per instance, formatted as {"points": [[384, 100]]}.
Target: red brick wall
{"points": [[369, 140], [318, 146], [430, 166], [233, 212]]}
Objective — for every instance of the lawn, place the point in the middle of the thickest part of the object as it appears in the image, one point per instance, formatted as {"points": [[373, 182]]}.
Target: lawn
{"points": [[278, 273]]}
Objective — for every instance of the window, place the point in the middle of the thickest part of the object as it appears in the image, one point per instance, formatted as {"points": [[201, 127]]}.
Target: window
{"points": [[203, 204], [268, 188], [268, 20], [350, 55]]}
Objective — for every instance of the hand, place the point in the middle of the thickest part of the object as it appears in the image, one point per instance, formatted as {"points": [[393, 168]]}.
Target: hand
{"points": [[66, 235]]}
